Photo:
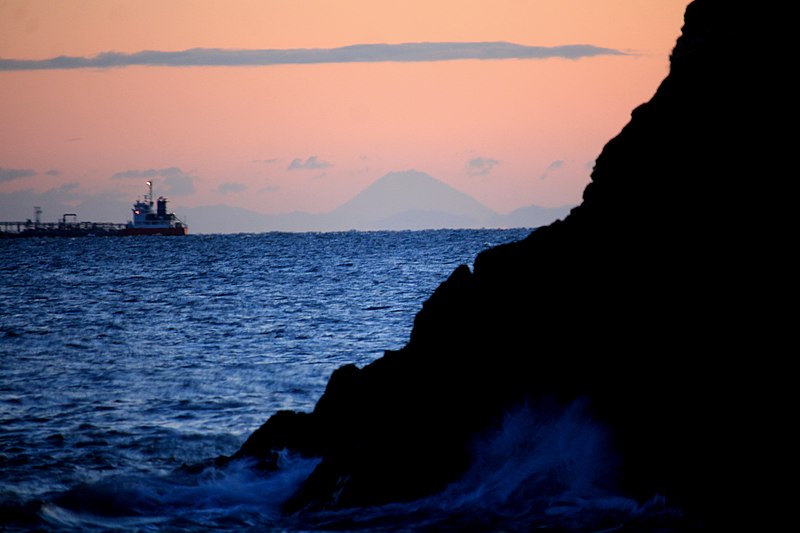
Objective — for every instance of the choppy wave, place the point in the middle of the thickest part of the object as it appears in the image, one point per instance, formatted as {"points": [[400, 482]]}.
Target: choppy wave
{"points": [[546, 467], [123, 359], [234, 497]]}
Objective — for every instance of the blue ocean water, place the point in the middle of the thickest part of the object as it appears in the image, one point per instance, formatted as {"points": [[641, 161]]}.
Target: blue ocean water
{"points": [[123, 360]]}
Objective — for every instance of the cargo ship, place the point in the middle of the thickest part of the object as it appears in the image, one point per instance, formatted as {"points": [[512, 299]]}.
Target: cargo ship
{"points": [[149, 218], [160, 222]]}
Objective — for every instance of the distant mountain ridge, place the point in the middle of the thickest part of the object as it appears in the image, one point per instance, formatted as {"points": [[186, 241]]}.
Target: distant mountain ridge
{"points": [[407, 200], [398, 197]]}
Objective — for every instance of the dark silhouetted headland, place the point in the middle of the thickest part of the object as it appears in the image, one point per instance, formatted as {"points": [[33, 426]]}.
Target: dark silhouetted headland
{"points": [[643, 295]]}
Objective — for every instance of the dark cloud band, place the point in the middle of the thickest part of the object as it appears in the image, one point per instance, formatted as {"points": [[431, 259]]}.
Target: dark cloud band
{"points": [[359, 53]]}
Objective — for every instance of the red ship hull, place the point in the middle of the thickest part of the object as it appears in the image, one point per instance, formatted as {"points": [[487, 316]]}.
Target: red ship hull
{"points": [[155, 231]]}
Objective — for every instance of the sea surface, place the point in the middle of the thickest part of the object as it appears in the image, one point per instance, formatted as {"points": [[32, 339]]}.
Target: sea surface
{"points": [[127, 361]]}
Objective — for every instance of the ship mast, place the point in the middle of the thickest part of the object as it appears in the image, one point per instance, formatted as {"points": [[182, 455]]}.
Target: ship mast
{"points": [[149, 198]]}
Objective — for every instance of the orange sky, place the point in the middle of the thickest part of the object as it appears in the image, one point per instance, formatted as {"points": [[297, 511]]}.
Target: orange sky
{"points": [[230, 134]]}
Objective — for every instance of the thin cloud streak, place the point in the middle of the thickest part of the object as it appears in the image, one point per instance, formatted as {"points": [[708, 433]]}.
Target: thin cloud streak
{"points": [[149, 173], [359, 53], [231, 188], [552, 167], [9, 174], [481, 166], [312, 163], [175, 180]]}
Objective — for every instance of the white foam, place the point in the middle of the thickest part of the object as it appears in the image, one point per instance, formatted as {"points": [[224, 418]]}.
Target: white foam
{"points": [[235, 493], [548, 466]]}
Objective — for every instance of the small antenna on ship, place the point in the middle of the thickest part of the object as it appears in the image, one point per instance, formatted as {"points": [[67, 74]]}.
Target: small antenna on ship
{"points": [[150, 195]]}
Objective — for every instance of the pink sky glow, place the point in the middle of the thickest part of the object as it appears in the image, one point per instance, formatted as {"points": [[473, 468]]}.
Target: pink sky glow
{"points": [[308, 137]]}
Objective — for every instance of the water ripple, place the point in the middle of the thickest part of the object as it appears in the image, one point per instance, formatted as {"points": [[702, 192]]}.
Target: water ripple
{"points": [[137, 355]]}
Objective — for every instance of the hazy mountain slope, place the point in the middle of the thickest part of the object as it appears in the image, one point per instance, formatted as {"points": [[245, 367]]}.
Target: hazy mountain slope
{"points": [[396, 195], [409, 200]]}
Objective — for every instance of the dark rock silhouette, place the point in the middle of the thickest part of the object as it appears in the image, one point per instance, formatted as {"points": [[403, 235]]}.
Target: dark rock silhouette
{"points": [[650, 286]]}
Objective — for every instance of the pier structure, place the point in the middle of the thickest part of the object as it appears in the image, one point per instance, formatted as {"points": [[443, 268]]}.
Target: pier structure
{"points": [[68, 226]]}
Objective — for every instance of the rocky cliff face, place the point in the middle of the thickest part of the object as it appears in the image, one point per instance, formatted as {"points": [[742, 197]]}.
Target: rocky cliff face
{"points": [[650, 288]]}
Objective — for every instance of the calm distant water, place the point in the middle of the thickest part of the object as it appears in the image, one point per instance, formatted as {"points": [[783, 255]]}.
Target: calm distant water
{"points": [[124, 359], [123, 356]]}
